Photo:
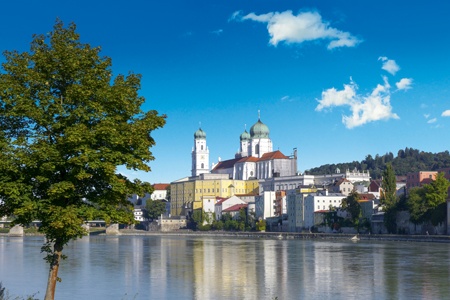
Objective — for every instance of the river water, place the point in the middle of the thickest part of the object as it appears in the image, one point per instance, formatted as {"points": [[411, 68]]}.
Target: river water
{"points": [[186, 267]]}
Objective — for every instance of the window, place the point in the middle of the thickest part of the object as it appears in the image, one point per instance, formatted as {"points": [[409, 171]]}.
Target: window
{"points": [[202, 147], [203, 165]]}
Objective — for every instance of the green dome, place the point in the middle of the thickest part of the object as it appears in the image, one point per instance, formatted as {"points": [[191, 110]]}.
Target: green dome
{"points": [[200, 134], [259, 130], [245, 136]]}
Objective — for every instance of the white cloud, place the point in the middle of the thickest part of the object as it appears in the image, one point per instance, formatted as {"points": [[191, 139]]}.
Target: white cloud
{"points": [[389, 65], [426, 116], [217, 32], [364, 108], [446, 113], [303, 27], [285, 98], [431, 121], [404, 84]]}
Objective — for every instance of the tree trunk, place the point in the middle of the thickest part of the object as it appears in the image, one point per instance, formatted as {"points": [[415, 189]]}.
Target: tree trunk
{"points": [[53, 274]]}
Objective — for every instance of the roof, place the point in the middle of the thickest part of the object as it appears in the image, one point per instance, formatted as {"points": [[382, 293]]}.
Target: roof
{"points": [[366, 196], [340, 181], [235, 207], [160, 186], [248, 159], [273, 155], [226, 164]]}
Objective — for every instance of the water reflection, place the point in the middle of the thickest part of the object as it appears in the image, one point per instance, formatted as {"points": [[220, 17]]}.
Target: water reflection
{"points": [[169, 267]]}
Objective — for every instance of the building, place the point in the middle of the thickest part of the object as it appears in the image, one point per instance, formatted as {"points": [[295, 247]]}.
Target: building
{"points": [[295, 207], [418, 179], [188, 193], [159, 191], [200, 154], [302, 206], [343, 186], [223, 204], [234, 211], [256, 158]]}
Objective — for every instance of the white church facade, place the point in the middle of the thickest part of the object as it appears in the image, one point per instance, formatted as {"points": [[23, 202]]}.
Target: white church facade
{"points": [[254, 160]]}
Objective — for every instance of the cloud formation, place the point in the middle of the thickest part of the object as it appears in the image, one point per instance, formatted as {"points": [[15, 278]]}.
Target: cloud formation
{"points": [[371, 107], [364, 108], [404, 84], [446, 113], [431, 121], [389, 65], [303, 27]]}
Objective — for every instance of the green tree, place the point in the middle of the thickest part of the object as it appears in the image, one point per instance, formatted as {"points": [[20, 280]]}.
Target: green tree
{"points": [[155, 208], [424, 203], [66, 125], [388, 196], [389, 199], [351, 205]]}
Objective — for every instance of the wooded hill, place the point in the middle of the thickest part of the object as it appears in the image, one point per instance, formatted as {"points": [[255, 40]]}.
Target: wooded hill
{"points": [[407, 160]]}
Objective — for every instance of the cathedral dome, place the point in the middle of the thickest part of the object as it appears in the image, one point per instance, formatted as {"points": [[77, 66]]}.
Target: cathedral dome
{"points": [[200, 134], [259, 130], [245, 136]]}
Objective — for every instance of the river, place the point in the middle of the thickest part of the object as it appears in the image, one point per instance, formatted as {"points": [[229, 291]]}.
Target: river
{"points": [[186, 267]]}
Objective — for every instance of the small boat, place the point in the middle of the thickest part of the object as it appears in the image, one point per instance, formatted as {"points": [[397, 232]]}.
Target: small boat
{"points": [[355, 238]]}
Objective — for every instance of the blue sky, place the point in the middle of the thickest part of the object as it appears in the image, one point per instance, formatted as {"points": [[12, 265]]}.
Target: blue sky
{"points": [[336, 79]]}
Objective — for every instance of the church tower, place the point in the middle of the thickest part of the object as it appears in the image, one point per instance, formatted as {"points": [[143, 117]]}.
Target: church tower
{"points": [[260, 143], [200, 154], [245, 144]]}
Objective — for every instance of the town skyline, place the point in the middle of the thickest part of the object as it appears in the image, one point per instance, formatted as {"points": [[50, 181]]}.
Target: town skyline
{"points": [[338, 80]]}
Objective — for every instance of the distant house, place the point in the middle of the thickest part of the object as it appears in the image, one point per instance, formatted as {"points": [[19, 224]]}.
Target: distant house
{"points": [[418, 179], [224, 203], [139, 215], [343, 186], [234, 210]]}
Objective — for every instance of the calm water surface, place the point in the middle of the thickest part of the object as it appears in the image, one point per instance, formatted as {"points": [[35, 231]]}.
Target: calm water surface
{"points": [[170, 267]]}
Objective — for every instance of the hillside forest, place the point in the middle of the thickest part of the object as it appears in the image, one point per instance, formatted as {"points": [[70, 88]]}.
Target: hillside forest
{"points": [[407, 160]]}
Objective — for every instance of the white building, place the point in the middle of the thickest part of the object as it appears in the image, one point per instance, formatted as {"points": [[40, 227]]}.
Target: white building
{"points": [[265, 205], [302, 206], [223, 204], [319, 202], [256, 158], [200, 154]]}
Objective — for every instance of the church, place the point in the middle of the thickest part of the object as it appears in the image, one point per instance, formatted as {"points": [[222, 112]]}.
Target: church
{"points": [[254, 160]]}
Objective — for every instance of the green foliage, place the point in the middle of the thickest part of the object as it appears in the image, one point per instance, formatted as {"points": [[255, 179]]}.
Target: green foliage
{"points": [[407, 160], [155, 208], [66, 124], [261, 225], [388, 195], [427, 203], [350, 204]]}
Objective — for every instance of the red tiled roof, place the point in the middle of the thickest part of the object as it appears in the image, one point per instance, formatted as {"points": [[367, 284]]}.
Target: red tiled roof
{"points": [[273, 155], [160, 186], [235, 207], [366, 196], [248, 159]]}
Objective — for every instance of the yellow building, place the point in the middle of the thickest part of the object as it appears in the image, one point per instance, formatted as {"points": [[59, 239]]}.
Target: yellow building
{"points": [[187, 193]]}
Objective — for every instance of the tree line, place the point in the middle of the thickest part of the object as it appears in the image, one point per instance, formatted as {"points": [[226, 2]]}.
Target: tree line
{"points": [[426, 205], [407, 160]]}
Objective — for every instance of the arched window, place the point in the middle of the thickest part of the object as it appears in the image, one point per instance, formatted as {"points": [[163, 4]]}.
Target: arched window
{"points": [[202, 147], [257, 149], [203, 166]]}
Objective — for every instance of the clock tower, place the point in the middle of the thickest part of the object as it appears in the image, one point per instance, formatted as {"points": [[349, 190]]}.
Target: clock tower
{"points": [[200, 154]]}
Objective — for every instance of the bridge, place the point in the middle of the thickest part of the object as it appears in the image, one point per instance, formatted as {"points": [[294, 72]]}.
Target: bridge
{"points": [[17, 230]]}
